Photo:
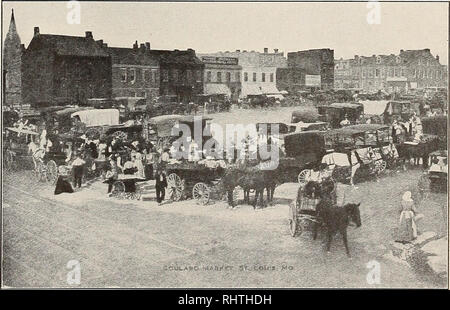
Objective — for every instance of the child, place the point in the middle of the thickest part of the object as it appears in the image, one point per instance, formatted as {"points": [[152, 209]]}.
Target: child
{"points": [[407, 230]]}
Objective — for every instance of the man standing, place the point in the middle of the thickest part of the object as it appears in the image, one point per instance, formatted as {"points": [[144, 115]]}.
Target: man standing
{"points": [[78, 166], [161, 184]]}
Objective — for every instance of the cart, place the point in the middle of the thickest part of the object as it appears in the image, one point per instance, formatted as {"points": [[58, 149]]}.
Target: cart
{"points": [[302, 214], [127, 186], [16, 147]]}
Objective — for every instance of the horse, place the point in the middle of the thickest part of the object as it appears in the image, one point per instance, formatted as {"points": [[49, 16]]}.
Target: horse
{"points": [[336, 219], [249, 179]]}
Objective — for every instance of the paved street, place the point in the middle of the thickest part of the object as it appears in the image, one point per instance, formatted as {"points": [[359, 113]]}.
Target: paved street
{"points": [[141, 244]]}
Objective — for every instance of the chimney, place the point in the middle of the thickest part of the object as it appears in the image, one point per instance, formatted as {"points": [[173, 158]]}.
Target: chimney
{"points": [[36, 31], [147, 45], [135, 45], [238, 51], [401, 51], [427, 50], [100, 43], [105, 45], [356, 56], [142, 47], [275, 50], [266, 50], [437, 57], [89, 35]]}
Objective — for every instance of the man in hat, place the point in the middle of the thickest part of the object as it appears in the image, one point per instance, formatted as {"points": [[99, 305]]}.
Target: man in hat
{"points": [[345, 121], [161, 184], [112, 173], [78, 166]]}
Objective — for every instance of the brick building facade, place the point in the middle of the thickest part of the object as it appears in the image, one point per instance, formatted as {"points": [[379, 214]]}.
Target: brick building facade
{"points": [[135, 71], [181, 73], [61, 70], [315, 62], [410, 69], [12, 66], [258, 73], [222, 76]]}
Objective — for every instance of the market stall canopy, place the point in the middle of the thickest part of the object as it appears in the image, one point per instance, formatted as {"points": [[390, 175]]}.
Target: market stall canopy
{"points": [[69, 110], [251, 89], [98, 117], [213, 89], [305, 115], [372, 107]]}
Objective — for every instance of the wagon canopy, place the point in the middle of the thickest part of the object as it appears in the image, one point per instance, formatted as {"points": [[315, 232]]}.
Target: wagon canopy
{"points": [[22, 131], [306, 116], [165, 123], [98, 117], [297, 144], [357, 129], [372, 107]]}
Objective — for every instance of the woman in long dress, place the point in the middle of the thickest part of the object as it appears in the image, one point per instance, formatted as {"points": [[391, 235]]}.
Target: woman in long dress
{"points": [[407, 230]]}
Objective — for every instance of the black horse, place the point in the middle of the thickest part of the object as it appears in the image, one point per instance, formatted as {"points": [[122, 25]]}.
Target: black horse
{"points": [[334, 218], [249, 178]]}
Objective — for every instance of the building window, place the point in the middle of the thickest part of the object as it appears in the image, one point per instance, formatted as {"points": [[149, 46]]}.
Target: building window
{"points": [[175, 74], [219, 77], [165, 75], [188, 75], [144, 72], [254, 76], [263, 77], [363, 72], [154, 76], [271, 77], [238, 76], [403, 72], [378, 59], [199, 75], [377, 72], [143, 94], [208, 76], [245, 76], [397, 59], [228, 77], [132, 75], [123, 75]]}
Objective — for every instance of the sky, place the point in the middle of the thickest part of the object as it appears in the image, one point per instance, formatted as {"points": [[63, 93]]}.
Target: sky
{"points": [[211, 27]]}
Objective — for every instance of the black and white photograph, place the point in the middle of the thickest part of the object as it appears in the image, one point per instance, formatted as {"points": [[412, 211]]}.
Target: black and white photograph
{"points": [[224, 145]]}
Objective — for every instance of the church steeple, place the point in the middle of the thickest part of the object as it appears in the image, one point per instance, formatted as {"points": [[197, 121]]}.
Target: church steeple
{"points": [[12, 32]]}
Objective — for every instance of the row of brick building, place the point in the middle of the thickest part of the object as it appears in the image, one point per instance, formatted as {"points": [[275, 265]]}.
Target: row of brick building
{"points": [[59, 70], [409, 70]]}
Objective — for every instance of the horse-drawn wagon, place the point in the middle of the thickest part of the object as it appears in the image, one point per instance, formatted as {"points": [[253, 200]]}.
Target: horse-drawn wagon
{"points": [[16, 147]]}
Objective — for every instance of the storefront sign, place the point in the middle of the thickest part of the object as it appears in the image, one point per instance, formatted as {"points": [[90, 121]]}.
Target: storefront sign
{"points": [[220, 60], [312, 80]]}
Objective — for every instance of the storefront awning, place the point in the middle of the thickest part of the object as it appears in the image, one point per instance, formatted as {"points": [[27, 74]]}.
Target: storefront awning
{"points": [[217, 89], [269, 89], [251, 89]]}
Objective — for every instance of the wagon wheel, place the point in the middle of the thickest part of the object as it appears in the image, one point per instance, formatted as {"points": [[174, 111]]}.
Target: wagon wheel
{"points": [[9, 160], [294, 227], [303, 177], [175, 187], [162, 143], [380, 165], [93, 133], [42, 171], [201, 193], [52, 172], [118, 189], [138, 192]]}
